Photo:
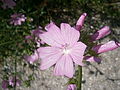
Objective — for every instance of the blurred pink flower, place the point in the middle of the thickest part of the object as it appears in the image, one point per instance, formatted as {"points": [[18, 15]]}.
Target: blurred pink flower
{"points": [[5, 84], [101, 33], [31, 59], [37, 32], [64, 49], [12, 81], [111, 45], [17, 19], [28, 37], [8, 4], [80, 21], [71, 87], [35, 36]]}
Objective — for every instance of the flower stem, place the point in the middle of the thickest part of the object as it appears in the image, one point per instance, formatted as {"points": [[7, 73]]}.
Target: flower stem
{"points": [[79, 78], [15, 73]]}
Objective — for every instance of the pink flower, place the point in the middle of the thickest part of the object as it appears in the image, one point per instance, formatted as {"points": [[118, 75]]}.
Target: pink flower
{"points": [[17, 19], [64, 49], [31, 59], [35, 36], [71, 87], [111, 45], [92, 59], [8, 4], [101, 33], [37, 32], [80, 21], [12, 81], [5, 84]]}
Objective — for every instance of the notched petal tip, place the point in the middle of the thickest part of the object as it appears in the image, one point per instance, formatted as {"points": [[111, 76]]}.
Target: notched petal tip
{"points": [[48, 26]]}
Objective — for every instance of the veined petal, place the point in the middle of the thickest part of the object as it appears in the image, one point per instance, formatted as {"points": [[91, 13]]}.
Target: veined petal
{"points": [[59, 69], [80, 21], [64, 67], [47, 51], [69, 70], [53, 37], [49, 57], [111, 45], [101, 33], [78, 52], [69, 34]]}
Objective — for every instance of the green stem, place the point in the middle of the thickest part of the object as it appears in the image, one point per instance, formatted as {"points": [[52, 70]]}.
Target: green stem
{"points": [[15, 74], [79, 78]]}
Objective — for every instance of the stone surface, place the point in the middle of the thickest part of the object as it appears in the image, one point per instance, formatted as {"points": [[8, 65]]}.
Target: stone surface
{"points": [[110, 67]]}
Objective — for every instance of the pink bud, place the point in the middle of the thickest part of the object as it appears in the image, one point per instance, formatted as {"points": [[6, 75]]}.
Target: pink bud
{"points": [[71, 87], [92, 59], [101, 33], [109, 46], [28, 37], [80, 21]]}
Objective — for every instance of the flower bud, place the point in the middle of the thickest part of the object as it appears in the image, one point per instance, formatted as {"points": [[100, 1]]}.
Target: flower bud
{"points": [[101, 33], [80, 21], [109, 46], [71, 87]]}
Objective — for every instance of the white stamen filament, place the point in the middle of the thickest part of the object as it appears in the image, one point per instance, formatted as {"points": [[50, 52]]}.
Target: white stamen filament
{"points": [[66, 51]]}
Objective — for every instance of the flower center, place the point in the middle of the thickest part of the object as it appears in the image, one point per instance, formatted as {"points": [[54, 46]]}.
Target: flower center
{"points": [[66, 51]]}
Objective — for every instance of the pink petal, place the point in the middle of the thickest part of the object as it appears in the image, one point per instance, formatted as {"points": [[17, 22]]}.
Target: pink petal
{"points": [[47, 27], [47, 51], [101, 33], [49, 56], [69, 34], [80, 21], [78, 52], [92, 59], [53, 37], [69, 70], [111, 45], [64, 67], [59, 69]]}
